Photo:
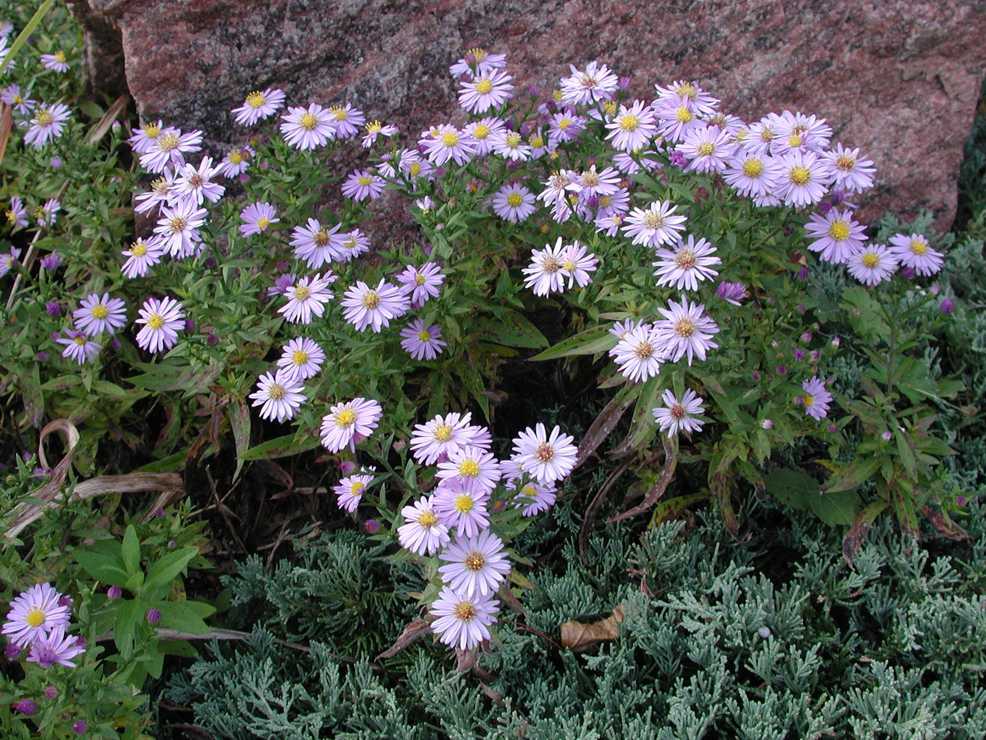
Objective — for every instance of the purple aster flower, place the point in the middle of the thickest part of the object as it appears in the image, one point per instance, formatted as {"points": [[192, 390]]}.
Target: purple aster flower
{"points": [[350, 490], [169, 149], [689, 263], [27, 707], [363, 185], [513, 202], [348, 423], [548, 458], [55, 648], [195, 184], [444, 143], [350, 244], [477, 61], [422, 533], [316, 244], [80, 727], [545, 274], [7, 260], [482, 134], [422, 342], [17, 214], [816, 398], [279, 396], [162, 319], [476, 565], [142, 140], [732, 293], [656, 225], [236, 161], [534, 498], [376, 129], [97, 314], [47, 214], [257, 218], [802, 179], [258, 106], [594, 84], [347, 120], [836, 235], [47, 122], [639, 353], [178, 229], [421, 283], [752, 174], [33, 614], [577, 263], [438, 438], [564, 127], [461, 507], [686, 330], [374, 307], [510, 145], [707, 149], [471, 467], [307, 128], [12, 96], [463, 622], [947, 306], [51, 261], [78, 347], [486, 90], [159, 194], [872, 264], [679, 415], [141, 256], [55, 62], [851, 172], [307, 297], [301, 357], [915, 252]]}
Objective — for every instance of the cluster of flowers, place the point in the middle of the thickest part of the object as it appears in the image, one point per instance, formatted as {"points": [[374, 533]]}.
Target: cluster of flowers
{"points": [[38, 621]]}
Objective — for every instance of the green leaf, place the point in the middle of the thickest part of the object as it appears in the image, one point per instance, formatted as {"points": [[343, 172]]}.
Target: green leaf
{"points": [[512, 329], [281, 447], [239, 422], [183, 616], [129, 614], [25, 34], [791, 487], [164, 571], [106, 568], [835, 508], [853, 475], [130, 550], [168, 464], [589, 342]]}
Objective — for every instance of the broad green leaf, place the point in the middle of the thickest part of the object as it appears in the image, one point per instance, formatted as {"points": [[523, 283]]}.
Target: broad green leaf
{"points": [[164, 571], [513, 330], [791, 487], [130, 550], [106, 568], [281, 447], [835, 508], [589, 342], [182, 616], [129, 614]]}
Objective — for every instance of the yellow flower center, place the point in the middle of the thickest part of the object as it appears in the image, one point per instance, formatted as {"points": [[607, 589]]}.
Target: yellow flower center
{"points": [[276, 392], [168, 142], [415, 169], [529, 490], [443, 433], [59, 56], [683, 115], [475, 561], [568, 266], [753, 168], [345, 418], [155, 321], [484, 87], [536, 141], [808, 399], [468, 468], [477, 54], [100, 311], [177, 224], [300, 357], [301, 292], [800, 175], [138, 249], [45, 118], [839, 230], [262, 223], [465, 611], [653, 220], [513, 139], [919, 247], [450, 139], [564, 123], [845, 163], [514, 200], [685, 259], [464, 504], [11, 216], [419, 279], [308, 121], [684, 328], [550, 265], [371, 300], [556, 95], [255, 99], [339, 113], [374, 127], [609, 106], [629, 122], [152, 130], [706, 148], [427, 519], [357, 487], [544, 452], [364, 180], [794, 141], [686, 90], [235, 157], [35, 618], [160, 186], [870, 260], [643, 350], [480, 131], [424, 336], [80, 340]]}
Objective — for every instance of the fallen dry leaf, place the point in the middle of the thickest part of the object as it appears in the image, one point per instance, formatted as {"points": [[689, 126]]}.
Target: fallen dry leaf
{"points": [[581, 636]]}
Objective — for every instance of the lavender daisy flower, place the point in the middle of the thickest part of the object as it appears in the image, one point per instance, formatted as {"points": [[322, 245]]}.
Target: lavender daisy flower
{"points": [[471, 467], [593, 184], [78, 347], [707, 149], [373, 307], [376, 129], [236, 161], [478, 61], [307, 128], [851, 172], [680, 415], [47, 214], [162, 320], [7, 260], [513, 202], [349, 491], [534, 498], [257, 218], [438, 438], [462, 622], [459, 506], [195, 184], [800, 132], [557, 190], [177, 228], [307, 297], [346, 120], [564, 127], [510, 145], [816, 398], [677, 118], [55, 62], [301, 357], [258, 106], [12, 96], [422, 342], [142, 140], [169, 150], [732, 293], [350, 422], [159, 194], [17, 214], [872, 264], [33, 614], [279, 396], [577, 263], [141, 256], [56, 648], [639, 353], [802, 180], [752, 174], [686, 330], [688, 264], [446, 143], [655, 225], [836, 235], [350, 244], [46, 124], [483, 133], [314, 243], [476, 565], [547, 457], [702, 102], [97, 314], [915, 252], [484, 91], [421, 283], [422, 532], [545, 274], [593, 84], [363, 185]]}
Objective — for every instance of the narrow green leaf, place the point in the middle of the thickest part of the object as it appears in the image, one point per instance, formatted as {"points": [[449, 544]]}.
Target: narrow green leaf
{"points": [[130, 550], [25, 34], [589, 342], [164, 571]]}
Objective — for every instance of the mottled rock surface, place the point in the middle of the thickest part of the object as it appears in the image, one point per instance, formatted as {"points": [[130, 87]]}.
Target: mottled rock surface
{"points": [[898, 78]]}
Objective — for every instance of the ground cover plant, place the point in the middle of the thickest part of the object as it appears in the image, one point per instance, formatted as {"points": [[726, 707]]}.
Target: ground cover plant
{"points": [[629, 424]]}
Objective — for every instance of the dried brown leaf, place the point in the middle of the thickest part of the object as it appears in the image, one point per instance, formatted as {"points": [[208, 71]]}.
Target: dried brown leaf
{"points": [[580, 636]]}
